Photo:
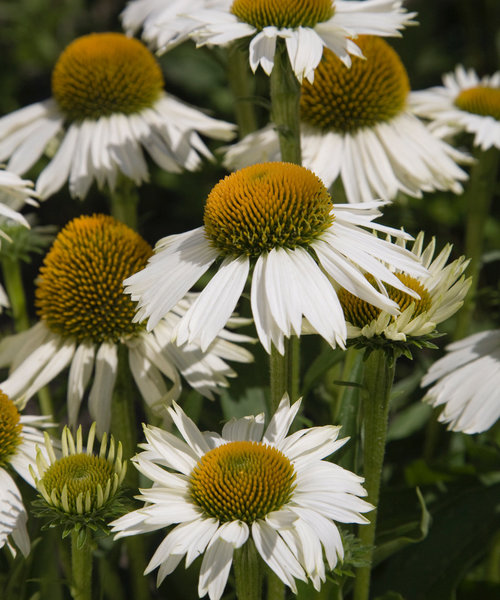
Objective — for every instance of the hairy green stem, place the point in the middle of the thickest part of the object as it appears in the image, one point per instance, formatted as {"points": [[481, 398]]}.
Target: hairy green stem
{"points": [[377, 385], [242, 86], [248, 572], [479, 193], [11, 269], [285, 105], [349, 408], [123, 427], [124, 200], [81, 566]]}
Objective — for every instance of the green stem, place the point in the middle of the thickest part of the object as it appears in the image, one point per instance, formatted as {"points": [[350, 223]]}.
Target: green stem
{"points": [[377, 385], [285, 105], [284, 372], [349, 405], [124, 200], [248, 572], [81, 566], [11, 269], [242, 85], [480, 191], [275, 587], [123, 427]]}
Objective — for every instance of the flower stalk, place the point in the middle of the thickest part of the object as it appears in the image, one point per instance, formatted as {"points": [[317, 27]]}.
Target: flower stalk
{"points": [[242, 87], [123, 428], [377, 384], [248, 572], [124, 200], [285, 105], [11, 269], [81, 565], [478, 196]]}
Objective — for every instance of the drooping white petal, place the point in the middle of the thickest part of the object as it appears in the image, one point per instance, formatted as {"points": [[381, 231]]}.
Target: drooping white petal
{"points": [[106, 369]]}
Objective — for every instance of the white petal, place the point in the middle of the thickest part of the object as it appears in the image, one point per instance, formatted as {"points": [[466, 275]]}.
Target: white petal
{"points": [[106, 368]]}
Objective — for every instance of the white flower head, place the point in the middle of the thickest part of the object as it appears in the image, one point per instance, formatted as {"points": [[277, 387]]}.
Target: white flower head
{"points": [[19, 436], [15, 192], [467, 383], [307, 27], [85, 317], [76, 483], [107, 105], [465, 102], [163, 25], [278, 221], [441, 293], [208, 490], [356, 125]]}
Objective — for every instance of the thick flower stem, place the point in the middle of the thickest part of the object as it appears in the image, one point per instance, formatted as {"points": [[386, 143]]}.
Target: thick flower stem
{"points": [[377, 385], [11, 269], [81, 566], [242, 86], [285, 105], [480, 191], [123, 425], [248, 572], [284, 372], [124, 200]]}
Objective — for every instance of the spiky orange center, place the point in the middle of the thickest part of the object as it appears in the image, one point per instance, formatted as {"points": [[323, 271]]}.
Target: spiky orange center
{"points": [[266, 206], [372, 91], [105, 73], [79, 291], [242, 481]]}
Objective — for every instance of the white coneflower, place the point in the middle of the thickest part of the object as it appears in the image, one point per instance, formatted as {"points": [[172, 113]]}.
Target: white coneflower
{"points": [[465, 102], [278, 220], [306, 27], [246, 484], [356, 125], [85, 317], [441, 293], [108, 103], [467, 383], [19, 437]]}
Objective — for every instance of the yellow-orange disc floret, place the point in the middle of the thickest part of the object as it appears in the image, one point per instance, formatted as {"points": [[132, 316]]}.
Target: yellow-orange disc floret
{"points": [[266, 206], [480, 100], [105, 73], [79, 291], [242, 481], [361, 313], [10, 428], [373, 90], [283, 13]]}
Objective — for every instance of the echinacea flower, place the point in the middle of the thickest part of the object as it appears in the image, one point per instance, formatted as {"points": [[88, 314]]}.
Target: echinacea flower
{"points": [[14, 194], [467, 383], [79, 487], [465, 102], [107, 104], [85, 317], [163, 25], [19, 436], [307, 27], [356, 124], [278, 220], [441, 293], [246, 484]]}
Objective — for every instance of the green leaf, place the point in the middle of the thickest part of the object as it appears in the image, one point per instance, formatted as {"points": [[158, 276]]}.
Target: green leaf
{"points": [[405, 534], [463, 526]]}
